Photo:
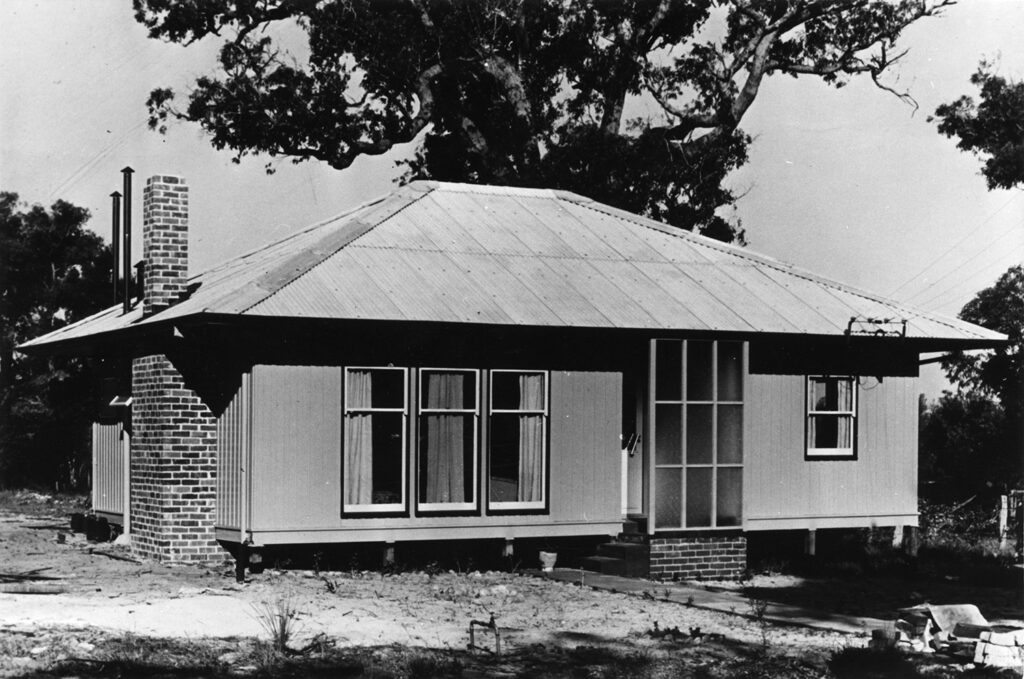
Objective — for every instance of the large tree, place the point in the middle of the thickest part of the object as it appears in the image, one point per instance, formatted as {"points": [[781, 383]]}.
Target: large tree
{"points": [[992, 128], [999, 372], [973, 440], [52, 272], [965, 448], [523, 92]]}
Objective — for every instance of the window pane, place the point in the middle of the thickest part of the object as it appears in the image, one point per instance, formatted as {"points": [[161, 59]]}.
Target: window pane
{"points": [[669, 383], [668, 434], [358, 388], [730, 371], [830, 431], [375, 388], [504, 457], [516, 458], [373, 459], [698, 434], [698, 498], [822, 431], [831, 394], [818, 394], [518, 391], [730, 434], [844, 393], [387, 457], [698, 371], [669, 510], [446, 458], [448, 390], [504, 391], [730, 496]]}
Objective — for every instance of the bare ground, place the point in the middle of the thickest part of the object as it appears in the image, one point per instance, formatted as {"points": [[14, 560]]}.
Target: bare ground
{"points": [[115, 617]]}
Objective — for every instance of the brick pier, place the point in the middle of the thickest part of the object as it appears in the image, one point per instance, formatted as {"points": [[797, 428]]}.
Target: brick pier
{"points": [[712, 557]]}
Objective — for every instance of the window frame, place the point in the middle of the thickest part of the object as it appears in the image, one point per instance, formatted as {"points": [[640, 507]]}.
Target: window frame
{"points": [[684, 402], [518, 507], [434, 508], [850, 453], [392, 508]]}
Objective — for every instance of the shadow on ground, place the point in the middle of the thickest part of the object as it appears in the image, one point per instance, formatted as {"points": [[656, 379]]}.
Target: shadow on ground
{"points": [[854, 575], [567, 654]]}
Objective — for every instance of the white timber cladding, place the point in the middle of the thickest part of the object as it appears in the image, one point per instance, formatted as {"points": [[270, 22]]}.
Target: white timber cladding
{"points": [[233, 442], [108, 467], [297, 476], [697, 402], [786, 489]]}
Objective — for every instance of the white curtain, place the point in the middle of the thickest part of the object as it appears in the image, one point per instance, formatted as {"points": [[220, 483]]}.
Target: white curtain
{"points": [[445, 463], [531, 439], [359, 440], [844, 394]]}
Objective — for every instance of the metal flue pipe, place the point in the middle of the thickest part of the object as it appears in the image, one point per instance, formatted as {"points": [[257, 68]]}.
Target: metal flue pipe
{"points": [[127, 172], [115, 244]]}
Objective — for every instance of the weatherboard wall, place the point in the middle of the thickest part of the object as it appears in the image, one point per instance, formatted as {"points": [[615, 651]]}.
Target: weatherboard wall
{"points": [[296, 476], [108, 468], [784, 490], [233, 434]]}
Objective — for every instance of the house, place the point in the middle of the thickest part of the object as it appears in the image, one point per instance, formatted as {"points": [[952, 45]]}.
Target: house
{"points": [[480, 362]]}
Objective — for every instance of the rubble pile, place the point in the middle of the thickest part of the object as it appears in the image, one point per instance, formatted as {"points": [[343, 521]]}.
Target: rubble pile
{"points": [[959, 630]]}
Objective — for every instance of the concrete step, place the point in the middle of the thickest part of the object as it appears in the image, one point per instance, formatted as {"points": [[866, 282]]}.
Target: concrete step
{"points": [[635, 524], [612, 566], [625, 550]]}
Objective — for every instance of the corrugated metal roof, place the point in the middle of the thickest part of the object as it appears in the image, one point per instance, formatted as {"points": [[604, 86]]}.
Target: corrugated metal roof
{"points": [[460, 253]]}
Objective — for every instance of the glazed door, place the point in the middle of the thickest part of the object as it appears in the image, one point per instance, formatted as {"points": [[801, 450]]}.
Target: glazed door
{"points": [[633, 401], [697, 432]]}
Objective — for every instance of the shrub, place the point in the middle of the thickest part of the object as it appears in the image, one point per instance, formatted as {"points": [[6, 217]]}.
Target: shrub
{"points": [[278, 621]]}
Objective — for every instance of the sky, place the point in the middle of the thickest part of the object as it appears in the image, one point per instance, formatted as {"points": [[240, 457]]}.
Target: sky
{"points": [[850, 183]]}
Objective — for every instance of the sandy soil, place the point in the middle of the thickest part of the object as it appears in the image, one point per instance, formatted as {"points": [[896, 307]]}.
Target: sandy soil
{"points": [[350, 608], [106, 601]]}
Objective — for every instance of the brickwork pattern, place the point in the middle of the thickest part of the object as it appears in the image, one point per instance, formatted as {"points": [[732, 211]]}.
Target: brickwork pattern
{"points": [[164, 241], [717, 558], [173, 467]]}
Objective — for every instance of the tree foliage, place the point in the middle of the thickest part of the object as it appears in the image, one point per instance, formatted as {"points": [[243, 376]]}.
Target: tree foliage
{"points": [[522, 92], [998, 372], [965, 448], [52, 272], [992, 128], [975, 438]]}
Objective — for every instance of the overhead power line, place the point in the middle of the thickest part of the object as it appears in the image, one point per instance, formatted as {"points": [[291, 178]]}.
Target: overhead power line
{"points": [[1008, 256], [957, 244]]}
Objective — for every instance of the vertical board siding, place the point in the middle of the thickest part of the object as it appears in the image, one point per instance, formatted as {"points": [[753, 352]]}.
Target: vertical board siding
{"points": [[108, 479], [232, 452], [780, 484], [586, 451], [297, 453], [296, 446]]}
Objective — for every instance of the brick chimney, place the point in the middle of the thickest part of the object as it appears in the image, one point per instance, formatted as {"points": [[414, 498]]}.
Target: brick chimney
{"points": [[164, 242]]}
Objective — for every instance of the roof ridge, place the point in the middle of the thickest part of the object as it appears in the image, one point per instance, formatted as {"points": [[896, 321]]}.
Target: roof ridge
{"points": [[297, 266], [767, 260], [295, 234], [489, 189]]}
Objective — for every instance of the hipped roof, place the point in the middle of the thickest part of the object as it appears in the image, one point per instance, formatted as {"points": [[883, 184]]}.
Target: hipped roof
{"points": [[467, 254]]}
